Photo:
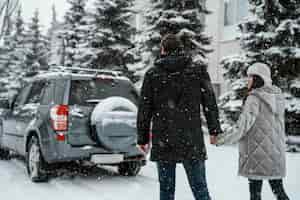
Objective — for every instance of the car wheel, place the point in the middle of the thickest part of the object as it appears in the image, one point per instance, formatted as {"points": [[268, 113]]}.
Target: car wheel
{"points": [[129, 168], [36, 166], [4, 154]]}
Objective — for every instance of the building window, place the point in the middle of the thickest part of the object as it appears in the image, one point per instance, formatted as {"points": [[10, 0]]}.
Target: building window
{"points": [[229, 14], [235, 11], [242, 10]]}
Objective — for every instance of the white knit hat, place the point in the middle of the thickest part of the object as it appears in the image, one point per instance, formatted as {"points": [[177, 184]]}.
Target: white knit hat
{"points": [[262, 70]]}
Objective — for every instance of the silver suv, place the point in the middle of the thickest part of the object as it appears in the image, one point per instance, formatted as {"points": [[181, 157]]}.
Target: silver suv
{"points": [[49, 122]]}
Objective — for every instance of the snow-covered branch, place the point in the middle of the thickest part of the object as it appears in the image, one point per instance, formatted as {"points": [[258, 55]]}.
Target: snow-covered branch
{"points": [[7, 9]]}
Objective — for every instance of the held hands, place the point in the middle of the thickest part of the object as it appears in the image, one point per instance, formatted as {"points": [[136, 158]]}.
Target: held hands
{"points": [[217, 140], [213, 139], [144, 148]]}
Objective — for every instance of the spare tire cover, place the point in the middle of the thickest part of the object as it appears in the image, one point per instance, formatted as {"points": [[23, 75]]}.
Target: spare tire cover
{"points": [[115, 122]]}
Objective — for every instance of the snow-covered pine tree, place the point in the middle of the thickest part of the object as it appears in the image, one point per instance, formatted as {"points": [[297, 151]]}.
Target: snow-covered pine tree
{"points": [[15, 46], [5, 42], [54, 21], [147, 38], [111, 36], [272, 36], [18, 52], [186, 18], [57, 48], [76, 33], [231, 102], [4, 64], [52, 37], [38, 46], [8, 9]]}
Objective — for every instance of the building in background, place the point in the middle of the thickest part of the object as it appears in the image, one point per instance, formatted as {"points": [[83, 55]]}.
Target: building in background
{"points": [[222, 26]]}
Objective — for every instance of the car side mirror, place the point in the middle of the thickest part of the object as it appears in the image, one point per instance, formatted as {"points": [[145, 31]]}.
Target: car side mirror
{"points": [[4, 104]]}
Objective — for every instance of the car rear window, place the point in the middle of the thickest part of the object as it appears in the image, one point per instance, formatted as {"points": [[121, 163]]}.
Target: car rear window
{"points": [[36, 92], [87, 92]]}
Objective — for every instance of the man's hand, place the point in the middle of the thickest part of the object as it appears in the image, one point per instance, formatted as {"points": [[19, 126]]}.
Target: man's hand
{"points": [[145, 148], [213, 139]]}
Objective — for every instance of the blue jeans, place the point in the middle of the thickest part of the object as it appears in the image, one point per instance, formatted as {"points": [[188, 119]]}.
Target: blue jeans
{"points": [[196, 174]]}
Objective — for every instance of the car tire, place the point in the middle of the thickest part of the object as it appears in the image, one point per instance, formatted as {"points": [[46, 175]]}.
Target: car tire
{"points": [[129, 168], [35, 163], [4, 154]]}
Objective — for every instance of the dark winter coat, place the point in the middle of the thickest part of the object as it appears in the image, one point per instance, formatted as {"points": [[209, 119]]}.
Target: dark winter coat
{"points": [[171, 96]]}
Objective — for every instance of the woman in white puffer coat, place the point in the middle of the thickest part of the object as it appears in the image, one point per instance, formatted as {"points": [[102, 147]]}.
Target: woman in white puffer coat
{"points": [[261, 134]]}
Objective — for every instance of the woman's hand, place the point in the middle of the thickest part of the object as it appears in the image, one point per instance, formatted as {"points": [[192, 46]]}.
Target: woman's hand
{"points": [[220, 140], [145, 148]]}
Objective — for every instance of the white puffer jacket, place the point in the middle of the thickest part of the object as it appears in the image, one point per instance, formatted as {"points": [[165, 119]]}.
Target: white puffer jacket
{"points": [[261, 134]]}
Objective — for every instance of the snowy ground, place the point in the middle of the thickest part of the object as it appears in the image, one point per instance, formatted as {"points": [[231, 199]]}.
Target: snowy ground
{"points": [[105, 184]]}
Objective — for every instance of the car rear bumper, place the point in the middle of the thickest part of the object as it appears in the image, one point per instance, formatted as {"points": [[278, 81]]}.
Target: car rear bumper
{"points": [[63, 152]]}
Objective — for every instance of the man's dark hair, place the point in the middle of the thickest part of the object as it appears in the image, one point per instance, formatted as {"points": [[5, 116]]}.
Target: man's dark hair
{"points": [[171, 44]]}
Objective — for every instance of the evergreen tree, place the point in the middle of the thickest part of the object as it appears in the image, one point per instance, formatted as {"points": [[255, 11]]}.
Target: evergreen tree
{"points": [[14, 54], [8, 9], [54, 21], [147, 38], [54, 16], [6, 42], [56, 40], [271, 36], [75, 33], [186, 18], [18, 44], [4, 64], [111, 36], [18, 50], [38, 46], [5, 49]]}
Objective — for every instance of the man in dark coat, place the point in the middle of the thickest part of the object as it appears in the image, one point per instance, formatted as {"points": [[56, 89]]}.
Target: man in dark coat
{"points": [[171, 96]]}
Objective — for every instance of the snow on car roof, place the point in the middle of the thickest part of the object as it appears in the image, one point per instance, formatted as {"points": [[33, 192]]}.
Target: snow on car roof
{"points": [[54, 75]]}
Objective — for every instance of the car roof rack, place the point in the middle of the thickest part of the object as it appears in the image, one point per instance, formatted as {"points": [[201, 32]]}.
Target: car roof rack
{"points": [[86, 70]]}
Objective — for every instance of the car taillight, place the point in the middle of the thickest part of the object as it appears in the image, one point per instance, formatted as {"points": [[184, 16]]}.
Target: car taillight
{"points": [[60, 137], [59, 117]]}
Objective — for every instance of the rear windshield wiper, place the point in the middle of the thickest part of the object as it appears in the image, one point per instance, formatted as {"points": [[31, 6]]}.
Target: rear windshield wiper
{"points": [[93, 101]]}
